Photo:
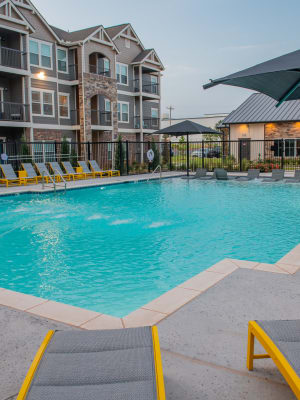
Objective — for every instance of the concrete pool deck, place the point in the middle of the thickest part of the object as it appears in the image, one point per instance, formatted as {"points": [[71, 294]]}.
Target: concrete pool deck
{"points": [[203, 343]]}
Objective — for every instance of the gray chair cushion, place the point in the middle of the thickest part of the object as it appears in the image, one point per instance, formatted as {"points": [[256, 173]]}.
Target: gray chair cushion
{"points": [[102, 365], [286, 336], [84, 167], [8, 171], [29, 170]]}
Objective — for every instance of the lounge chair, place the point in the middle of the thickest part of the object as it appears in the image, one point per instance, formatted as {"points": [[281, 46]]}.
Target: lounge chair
{"points": [[295, 179], [31, 174], [252, 174], [111, 364], [200, 173], [70, 171], [87, 172], [221, 175], [95, 168], [277, 175], [281, 340], [10, 177], [44, 172], [55, 167]]}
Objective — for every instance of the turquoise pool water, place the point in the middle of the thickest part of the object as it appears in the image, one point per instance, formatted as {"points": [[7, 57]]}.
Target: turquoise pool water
{"points": [[115, 248]]}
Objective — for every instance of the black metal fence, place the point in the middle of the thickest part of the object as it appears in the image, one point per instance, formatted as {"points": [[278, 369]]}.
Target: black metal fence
{"points": [[133, 157]]}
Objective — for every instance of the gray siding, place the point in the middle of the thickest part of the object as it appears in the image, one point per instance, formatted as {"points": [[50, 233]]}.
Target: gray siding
{"points": [[71, 91], [12, 89], [130, 100], [35, 83]]}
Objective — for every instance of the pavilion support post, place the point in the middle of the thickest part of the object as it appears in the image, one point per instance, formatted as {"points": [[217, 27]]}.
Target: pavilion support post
{"points": [[187, 155]]}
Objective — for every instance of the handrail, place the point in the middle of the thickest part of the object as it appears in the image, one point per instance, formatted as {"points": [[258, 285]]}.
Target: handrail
{"points": [[52, 181], [160, 172], [61, 177]]}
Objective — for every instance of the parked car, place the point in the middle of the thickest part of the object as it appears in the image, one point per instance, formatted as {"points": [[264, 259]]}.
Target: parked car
{"points": [[198, 153], [214, 153]]}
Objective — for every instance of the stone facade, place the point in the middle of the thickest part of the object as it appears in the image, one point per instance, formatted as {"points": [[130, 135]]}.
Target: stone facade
{"points": [[91, 85], [51, 135], [282, 130]]}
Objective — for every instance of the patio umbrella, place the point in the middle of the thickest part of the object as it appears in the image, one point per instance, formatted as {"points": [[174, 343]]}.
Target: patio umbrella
{"points": [[278, 78], [186, 128]]}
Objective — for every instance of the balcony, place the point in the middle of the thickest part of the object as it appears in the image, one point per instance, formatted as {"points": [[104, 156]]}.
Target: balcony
{"points": [[101, 118], [13, 58], [73, 72], [147, 87], [148, 123], [94, 69], [14, 112]]}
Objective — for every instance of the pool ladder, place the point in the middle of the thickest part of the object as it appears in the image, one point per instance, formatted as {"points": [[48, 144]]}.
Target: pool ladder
{"points": [[53, 182], [160, 173]]}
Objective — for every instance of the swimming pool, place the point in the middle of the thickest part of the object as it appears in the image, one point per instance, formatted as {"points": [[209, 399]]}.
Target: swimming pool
{"points": [[115, 248]]}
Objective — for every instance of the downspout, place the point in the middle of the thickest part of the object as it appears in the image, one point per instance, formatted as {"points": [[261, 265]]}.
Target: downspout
{"points": [[83, 91]]}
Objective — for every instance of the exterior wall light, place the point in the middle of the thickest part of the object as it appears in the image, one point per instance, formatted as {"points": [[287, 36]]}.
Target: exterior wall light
{"points": [[41, 75]]}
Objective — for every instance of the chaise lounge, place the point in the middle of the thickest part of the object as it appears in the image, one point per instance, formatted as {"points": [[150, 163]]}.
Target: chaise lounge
{"points": [[55, 167], [10, 177], [277, 175], [44, 172], [252, 174], [281, 340], [30, 172], [200, 173], [102, 365], [295, 179], [96, 169], [87, 172], [70, 171], [221, 175]]}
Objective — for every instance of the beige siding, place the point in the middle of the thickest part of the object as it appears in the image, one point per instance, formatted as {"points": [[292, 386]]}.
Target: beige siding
{"points": [[247, 131]]}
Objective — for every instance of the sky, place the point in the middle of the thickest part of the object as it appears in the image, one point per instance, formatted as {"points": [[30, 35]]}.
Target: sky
{"points": [[196, 40]]}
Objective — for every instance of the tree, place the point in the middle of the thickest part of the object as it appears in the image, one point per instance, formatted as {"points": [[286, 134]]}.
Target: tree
{"points": [[25, 150], [119, 156], [182, 140], [155, 161], [211, 137], [65, 150]]}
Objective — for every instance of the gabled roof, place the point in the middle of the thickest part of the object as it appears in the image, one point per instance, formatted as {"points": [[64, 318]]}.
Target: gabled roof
{"points": [[75, 36], [113, 31], [144, 56], [262, 108], [141, 57], [12, 13]]}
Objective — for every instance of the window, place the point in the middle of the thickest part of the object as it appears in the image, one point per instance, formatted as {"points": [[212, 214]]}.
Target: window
{"points": [[44, 152], [154, 116], [64, 105], [62, 60], [122, 74], [154, 84], [40, 54], [123, 112], [106, 66], [107, 109], [42, 103]]}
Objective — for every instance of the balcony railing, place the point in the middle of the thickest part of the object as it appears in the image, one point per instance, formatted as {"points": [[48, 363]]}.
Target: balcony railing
{"points": [[148, 123], [94, 69], [151, 88], [12, 58], [14, 112], [103, 118]]}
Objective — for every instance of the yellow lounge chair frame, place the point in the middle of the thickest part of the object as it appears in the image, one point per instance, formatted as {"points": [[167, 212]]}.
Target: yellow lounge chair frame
{"points": [[289, 374], [160, 387], [66, 176], [107, 173], [8, 182]]}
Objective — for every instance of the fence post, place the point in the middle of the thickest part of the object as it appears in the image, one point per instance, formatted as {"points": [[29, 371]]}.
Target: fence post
{"points": [[149, 168], [170, 154], [89, 151], [202, 153], [240, 154], [121, 156], [127, 157], [282, 154]]}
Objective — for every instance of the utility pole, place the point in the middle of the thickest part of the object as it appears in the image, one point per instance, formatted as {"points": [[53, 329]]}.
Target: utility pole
{"points": [[170, 108]]}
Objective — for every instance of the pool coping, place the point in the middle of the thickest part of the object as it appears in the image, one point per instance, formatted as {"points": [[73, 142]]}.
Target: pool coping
{"points": [[86, 184], [152, 312]]}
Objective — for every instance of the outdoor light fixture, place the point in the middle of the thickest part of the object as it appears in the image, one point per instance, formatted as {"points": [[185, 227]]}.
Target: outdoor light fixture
{"points": [[41, 75]]}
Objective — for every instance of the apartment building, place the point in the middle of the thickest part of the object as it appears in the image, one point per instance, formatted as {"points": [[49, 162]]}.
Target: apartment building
{"points": [[89, 85]]}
